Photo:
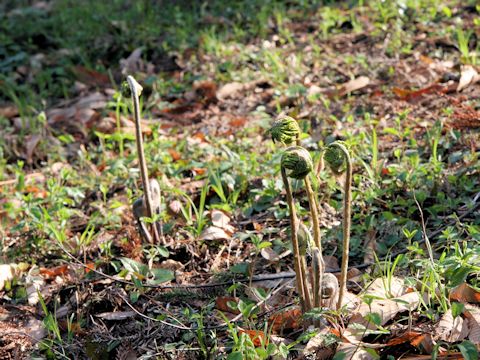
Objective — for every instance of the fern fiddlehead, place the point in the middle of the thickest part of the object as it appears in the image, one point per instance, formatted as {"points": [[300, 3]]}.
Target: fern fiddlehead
{"points": [[135, 89], [337, 157]]}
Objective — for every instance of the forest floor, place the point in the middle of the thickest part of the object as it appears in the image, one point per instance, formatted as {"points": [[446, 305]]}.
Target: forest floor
{"points": [[397, 81]]}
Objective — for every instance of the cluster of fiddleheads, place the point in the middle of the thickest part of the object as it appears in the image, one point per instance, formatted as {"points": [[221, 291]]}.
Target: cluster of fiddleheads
{"points": [[296, 163]]}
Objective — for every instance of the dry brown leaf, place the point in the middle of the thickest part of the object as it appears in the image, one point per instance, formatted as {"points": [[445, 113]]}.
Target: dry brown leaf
{"points": [[386, 288], [331, 263], [9, 111], [221, 220], [214, 233], [468, 77], [316, 348], [258, 337], [285, 320], [269, 254], [116, 315], [353, 352], [229, 90], [7, 273], [465, 293], [222, 304], [451, 330], [386, 309], [353, 85], [472, 313]]}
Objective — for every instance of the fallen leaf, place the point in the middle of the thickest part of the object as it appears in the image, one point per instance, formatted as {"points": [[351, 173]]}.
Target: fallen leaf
{"points": [[229, 90], [214, 233], [9, 111], [408, 336], [468, 77], [222, 304], [409, 95], [387, 309], [331, 263], [316, 347], [353, 352], [451, 329], [465, 293], [472, 313], [285, 320], [54, 272], [90, 77], [353, 85], [7, 273], [269, 254], [221, 220], [174, 154], [258, 337], [116, 315], [386, 288]]}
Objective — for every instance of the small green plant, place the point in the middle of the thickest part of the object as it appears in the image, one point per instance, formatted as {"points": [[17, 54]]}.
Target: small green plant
{"points": [[338, 158], [135, 89]]}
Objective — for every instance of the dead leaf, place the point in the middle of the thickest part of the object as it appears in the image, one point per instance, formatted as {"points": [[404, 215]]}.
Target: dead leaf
{"points": [[214, 233], [386, 288], [285, 320], [222, 304], [410, 95], [353, 352], [386, 309], [221, 220], [465, 293], [468, 77], [451, 330], [408, 336], [116, 315], [472, 313], [30, 145], [353, 85], [174, 154], [229, 90], [316, 348], [331, 263], [9, 111], [269, 254], [54, 272], [90, 77], [258, 337], [7, 273]]}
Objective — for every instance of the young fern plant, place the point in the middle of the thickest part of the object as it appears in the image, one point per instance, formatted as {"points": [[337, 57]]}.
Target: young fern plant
{"points": [[297, 161], [337, 157], [286, 131], [145, 206]]}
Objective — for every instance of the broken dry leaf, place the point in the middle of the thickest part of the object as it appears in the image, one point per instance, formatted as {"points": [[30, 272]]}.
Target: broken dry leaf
{"points": [[285, 320], [468, 77], [316, 347], [465, 293], [353, 352], [451, 329], [7, 273], [229, 90], [221, 220], [116, 315], [386, 287], [353, 85], [222, 304], [472, 313], [269, 254], [258, 337], [214, 233]]}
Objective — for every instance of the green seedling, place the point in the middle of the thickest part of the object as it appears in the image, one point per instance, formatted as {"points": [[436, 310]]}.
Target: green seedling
{"points": [[135, 89], [338, 158]]}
